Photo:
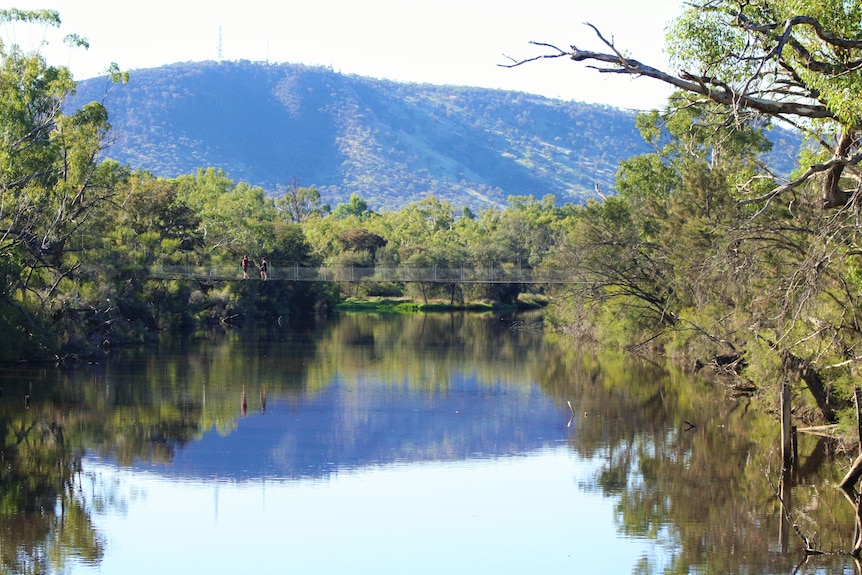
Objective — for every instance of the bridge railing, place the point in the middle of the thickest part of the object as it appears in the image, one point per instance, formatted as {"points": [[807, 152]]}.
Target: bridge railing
{"points": [[376, 274]]}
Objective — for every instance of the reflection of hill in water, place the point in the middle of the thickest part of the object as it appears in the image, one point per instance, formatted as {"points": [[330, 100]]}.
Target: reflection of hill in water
{"points": [[373, 424]]}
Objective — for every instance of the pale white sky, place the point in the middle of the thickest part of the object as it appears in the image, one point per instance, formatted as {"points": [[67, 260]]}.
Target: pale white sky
{"points": [[458, 42]]}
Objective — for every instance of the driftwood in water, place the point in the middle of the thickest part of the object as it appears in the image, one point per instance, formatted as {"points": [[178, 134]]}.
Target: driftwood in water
{"points": [[853, 475], [784, 493], [848, 488], [855, 472]]}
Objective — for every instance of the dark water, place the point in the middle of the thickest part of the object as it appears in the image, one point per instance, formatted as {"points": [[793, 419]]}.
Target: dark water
{"points": [[419, 444]]}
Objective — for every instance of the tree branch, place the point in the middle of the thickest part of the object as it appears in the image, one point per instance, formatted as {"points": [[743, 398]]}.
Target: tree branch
{"points": [[711, 88]]}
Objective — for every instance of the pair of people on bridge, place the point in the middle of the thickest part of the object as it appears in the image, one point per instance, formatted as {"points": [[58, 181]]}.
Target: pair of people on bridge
{"points": [[264, 269]]}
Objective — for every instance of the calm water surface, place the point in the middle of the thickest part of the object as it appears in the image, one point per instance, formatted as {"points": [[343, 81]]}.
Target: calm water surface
{"points": [[421, 444]]}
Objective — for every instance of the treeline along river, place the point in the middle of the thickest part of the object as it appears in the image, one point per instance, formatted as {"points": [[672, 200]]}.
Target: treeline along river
{"points": [[458, 443]]}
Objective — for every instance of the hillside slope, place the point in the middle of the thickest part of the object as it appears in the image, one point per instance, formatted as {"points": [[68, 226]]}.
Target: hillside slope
{"points": [[391, 143]]}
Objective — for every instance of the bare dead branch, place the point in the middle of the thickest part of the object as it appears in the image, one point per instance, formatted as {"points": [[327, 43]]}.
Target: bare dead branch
{"points": [[558, 53], [711, 88]]}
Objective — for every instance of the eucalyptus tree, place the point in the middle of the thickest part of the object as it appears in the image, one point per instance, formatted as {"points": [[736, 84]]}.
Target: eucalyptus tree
{"points": [[423, 235], [794, 62], [362, 240], [356, 206], [529, 229], [51, 182], [156, 219], [227, 212], [299, 203]]}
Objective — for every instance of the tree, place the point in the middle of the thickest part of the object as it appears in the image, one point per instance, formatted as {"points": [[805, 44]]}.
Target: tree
{"points": [[356, 207], [50, 182], [742, 66], [298, 203], [361, 240], [797, 61], [153, 207], [526, 229], [235, 219], [619, 268]]}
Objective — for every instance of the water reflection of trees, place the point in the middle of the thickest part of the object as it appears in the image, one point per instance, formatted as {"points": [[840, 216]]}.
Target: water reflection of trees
{"points": [[145, 405], [42, 518], [695, 469], [686, 465], [422, 351]]}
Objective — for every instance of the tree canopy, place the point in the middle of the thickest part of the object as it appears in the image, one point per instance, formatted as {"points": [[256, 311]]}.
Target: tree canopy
{"points": [[795, 61]]}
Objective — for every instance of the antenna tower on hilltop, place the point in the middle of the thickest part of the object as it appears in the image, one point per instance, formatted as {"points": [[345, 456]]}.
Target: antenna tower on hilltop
{"points": [[220, 54]]}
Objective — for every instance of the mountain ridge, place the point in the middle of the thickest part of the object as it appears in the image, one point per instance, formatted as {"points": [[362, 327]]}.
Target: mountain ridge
{"points": [[273, 125]]}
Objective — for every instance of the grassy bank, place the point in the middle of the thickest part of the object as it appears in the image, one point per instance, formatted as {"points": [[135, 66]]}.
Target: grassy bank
{"points": [[403, 305]]}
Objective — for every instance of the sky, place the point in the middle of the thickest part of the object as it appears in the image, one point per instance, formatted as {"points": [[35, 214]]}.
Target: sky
{"points": [[447, 42]]}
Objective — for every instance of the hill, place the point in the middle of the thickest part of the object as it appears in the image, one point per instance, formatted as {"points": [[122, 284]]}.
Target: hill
{"points": [[391, 143]]}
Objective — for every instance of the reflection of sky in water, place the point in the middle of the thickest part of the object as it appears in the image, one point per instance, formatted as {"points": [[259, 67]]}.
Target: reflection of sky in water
{"points": [[368, 478], [518, 514], [372, 423]]}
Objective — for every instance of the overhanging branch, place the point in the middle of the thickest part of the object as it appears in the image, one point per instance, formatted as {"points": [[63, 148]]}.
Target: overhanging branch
{"points": [[711, 88]]}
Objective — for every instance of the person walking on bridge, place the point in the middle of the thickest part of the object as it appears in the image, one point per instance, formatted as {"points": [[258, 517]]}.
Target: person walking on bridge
{"points": [[264, 271], [245, 267]]}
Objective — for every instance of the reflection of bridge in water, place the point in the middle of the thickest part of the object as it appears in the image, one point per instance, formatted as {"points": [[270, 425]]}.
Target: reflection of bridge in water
{"points": [[297, 273]]}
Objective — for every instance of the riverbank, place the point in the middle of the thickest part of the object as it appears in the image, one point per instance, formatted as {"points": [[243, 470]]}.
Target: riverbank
{"points": [[407, 305]]}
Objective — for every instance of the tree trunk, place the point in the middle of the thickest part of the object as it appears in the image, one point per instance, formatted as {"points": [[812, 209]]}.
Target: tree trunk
{"points": [[807, 373], [833, 195]]}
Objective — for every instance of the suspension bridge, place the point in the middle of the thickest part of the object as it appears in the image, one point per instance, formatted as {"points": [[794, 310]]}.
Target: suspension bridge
{"points": [[297, 273]]}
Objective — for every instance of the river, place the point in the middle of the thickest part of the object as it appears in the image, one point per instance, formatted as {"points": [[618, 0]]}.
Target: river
{"points": [[438, 443]]}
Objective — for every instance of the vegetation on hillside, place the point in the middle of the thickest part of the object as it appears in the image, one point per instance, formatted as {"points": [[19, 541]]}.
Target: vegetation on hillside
{"points": [[390, 143]]}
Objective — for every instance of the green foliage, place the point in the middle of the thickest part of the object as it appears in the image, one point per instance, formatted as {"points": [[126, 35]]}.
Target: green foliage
{"points": [[51, 187], [384, 305], [357, 207], [701, 38], [705, 253], [693, 257], [298, 204], [788, 51], [654, 260], [79, 237]]}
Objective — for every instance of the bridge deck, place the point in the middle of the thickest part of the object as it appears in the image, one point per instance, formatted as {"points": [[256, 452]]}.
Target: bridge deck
{"points": [[376, 274]]}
